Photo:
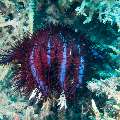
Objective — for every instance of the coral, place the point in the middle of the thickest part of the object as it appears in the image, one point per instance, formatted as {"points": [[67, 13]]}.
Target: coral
{"points": [[8, 105], [100, 21], [108, 87], [14, 22], [108, 11]]}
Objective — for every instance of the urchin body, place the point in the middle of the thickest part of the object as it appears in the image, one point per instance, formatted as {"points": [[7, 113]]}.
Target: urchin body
{"points": [[54, 60]]}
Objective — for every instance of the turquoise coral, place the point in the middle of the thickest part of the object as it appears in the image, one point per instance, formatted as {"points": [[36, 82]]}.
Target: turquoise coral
{"points": [[109, 11]]}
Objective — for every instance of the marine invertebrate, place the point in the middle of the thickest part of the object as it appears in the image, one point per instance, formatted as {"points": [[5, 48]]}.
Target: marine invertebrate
{"points": [[55, 61]]}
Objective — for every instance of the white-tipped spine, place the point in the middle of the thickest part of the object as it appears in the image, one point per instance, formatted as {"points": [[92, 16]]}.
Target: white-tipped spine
{"points": [[62, 101]]}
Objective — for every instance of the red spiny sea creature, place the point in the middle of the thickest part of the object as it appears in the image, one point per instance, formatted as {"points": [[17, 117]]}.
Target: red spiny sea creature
{"points": [[52, 59]]}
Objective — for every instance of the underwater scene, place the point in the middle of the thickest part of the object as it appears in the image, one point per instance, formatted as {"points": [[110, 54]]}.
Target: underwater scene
{"points": [[59, 59]]}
